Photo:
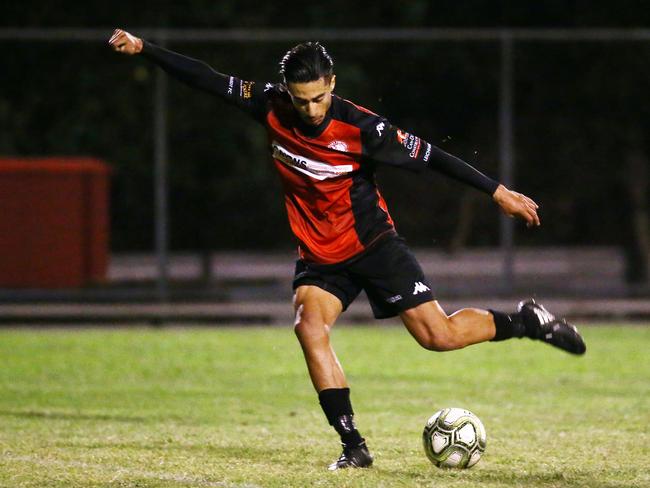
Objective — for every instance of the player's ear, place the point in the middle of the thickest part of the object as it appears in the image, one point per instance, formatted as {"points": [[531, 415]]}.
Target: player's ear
{"points": [[332, 82]]}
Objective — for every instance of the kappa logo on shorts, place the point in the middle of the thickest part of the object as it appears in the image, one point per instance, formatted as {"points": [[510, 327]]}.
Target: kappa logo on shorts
{"points": [[420, 288]]}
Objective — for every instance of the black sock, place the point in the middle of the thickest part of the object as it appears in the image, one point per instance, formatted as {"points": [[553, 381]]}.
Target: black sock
{"points": [[507, 326], [338, 410]]}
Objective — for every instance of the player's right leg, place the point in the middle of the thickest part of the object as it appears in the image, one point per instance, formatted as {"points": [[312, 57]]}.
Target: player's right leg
{"points": [[316, 311]]}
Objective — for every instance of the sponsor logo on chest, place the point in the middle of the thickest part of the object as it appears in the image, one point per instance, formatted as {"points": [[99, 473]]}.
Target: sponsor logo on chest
{"points": [[318, 170]]}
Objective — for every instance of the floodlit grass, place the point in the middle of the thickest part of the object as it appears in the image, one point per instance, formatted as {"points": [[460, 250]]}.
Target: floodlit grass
{"points": [[234, 407]]}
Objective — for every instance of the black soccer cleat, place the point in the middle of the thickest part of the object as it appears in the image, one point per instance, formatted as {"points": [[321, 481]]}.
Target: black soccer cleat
{"points": [[353, 457], [545, 327]]}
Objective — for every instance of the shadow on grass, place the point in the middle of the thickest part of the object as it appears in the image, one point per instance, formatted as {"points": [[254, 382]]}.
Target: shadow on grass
{"points": [[46, 414]]}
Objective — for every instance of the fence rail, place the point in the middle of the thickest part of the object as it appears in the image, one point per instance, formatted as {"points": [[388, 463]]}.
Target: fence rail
{"points": [[366, 35]]}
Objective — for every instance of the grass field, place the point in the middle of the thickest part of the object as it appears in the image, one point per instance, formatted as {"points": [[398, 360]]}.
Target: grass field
{"points": [[233, 407]]}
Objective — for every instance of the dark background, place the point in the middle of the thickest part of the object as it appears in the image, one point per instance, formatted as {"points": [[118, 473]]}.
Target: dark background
{"points": [[581, 117]]}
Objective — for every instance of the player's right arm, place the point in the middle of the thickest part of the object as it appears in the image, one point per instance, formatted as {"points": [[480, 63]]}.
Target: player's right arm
{"points": [[247, 95]]}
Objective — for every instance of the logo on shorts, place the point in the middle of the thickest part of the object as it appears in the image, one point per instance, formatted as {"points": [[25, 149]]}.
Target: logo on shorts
{"points": [[394, 299], [420, 288], [379, 128]]}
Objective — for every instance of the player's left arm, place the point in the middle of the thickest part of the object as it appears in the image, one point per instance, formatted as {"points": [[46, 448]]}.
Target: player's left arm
{"points": [[387, 144]]}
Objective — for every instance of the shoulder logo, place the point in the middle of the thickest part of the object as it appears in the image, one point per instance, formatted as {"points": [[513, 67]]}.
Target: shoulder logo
{"points": [[420, 288], [410, 141], [427, 153], [380, 127], [268, 86], [246, 89]]}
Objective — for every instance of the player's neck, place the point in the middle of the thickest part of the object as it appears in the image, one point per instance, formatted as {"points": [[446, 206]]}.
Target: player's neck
{"points": [[314, 130]]}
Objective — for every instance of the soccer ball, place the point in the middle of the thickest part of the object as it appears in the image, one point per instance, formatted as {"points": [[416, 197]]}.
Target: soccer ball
{"points": [[454, 438]]}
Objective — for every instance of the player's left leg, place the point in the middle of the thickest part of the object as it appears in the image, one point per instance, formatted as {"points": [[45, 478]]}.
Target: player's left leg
{"points": [[396, 285], [434, 330]]}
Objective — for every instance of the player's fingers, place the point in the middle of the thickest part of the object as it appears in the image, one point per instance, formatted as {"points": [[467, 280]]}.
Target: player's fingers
{"points": [[121, 38], [532, 202], [117, 41], [121, 45], [525, 213], [116, 33], [534, 217], [526, 199]]}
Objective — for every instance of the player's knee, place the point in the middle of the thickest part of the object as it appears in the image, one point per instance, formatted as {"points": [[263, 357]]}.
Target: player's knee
{"points": [[438, 338], [307, 328], [435, 343]]}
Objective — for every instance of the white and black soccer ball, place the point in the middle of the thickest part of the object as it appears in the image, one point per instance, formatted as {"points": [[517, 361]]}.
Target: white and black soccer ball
{"points": [[454, 438]]}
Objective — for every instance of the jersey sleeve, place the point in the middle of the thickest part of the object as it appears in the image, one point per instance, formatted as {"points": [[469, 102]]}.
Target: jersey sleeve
{"points": [[249, 96], [383, 143]]}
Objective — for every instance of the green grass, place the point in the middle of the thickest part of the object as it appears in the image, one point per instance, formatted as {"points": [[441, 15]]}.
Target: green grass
{"points": [[234, 407]]}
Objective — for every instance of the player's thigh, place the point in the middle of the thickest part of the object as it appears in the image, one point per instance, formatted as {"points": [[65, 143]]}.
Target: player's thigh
{"points": [[315, 307], [428, 324]]}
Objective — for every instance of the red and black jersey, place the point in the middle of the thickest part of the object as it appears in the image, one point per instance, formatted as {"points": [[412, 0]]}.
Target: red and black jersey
{"points": [[328, 171]]}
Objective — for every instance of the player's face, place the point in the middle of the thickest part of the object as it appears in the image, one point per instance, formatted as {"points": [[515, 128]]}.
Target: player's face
{"points": [[312, 99]]}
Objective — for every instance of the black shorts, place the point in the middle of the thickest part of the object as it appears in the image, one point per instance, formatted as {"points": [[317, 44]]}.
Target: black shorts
{"points": [[389, 273]]}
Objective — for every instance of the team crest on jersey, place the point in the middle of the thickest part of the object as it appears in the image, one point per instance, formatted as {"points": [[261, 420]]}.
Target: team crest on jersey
{"points": [[338, 146]]}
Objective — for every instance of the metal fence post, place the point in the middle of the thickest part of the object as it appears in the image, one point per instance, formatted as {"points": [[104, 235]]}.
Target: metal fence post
{"points": [[507, 158], [160, 182]]}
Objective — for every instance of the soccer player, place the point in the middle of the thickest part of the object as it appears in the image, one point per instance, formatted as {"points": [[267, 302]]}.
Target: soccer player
{"points": [[325, 150]]}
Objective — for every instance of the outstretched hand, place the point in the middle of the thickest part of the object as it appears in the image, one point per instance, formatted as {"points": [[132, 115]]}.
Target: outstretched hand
{"points": [[516, 204], [123, 42]]}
